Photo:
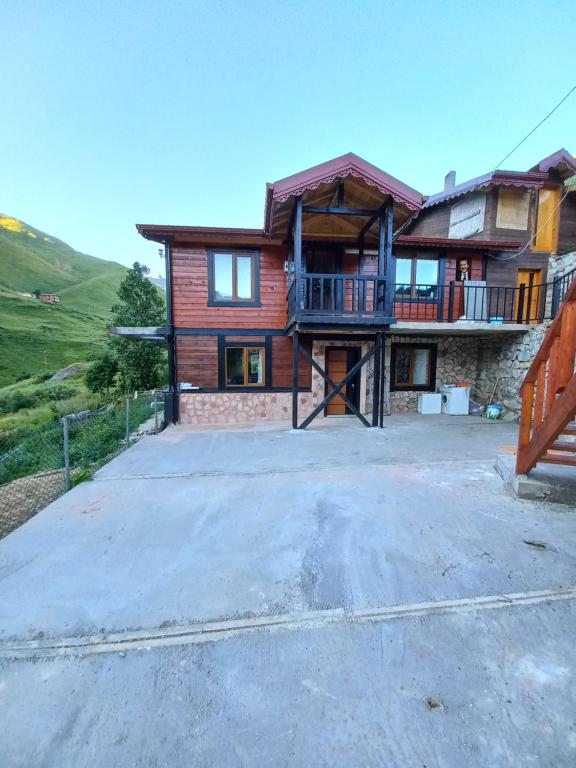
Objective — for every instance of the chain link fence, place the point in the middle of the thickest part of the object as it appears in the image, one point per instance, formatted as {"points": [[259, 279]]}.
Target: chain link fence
{"points": [[53, 458]]}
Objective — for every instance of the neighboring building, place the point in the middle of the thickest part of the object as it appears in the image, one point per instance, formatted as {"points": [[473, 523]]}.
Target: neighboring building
{"points": [[356, 275], [49, 298]]}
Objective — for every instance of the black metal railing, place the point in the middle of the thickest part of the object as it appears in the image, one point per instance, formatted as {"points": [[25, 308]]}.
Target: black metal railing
{"points": [[354, 295], [342, 294], [479, 302]]}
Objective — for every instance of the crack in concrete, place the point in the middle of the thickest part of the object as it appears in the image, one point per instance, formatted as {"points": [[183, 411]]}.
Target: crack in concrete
{"points": [[212, 631]]}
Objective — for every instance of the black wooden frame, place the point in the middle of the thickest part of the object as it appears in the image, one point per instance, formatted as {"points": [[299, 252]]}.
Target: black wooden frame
{"points": [[376, 351], [223, 344], [431, 387], [255, 277]]}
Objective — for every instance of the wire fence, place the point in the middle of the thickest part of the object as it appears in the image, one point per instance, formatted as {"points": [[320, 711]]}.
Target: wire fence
{"points": [[55, 457]]}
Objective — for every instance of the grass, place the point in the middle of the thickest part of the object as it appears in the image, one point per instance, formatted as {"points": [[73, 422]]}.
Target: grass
{"points": [[34, 335], [30, 404]]}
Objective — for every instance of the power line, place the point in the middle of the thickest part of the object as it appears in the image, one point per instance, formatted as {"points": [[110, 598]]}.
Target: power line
{"points": [[562, 100], [538, 230]]}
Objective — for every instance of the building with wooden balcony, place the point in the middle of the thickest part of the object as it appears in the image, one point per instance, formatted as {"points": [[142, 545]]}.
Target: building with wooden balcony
{"points": [[359, 292]]}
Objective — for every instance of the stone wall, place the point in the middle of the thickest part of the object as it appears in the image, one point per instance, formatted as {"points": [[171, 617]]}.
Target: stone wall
{"points": [[457, 361], [213, 408], [561, 264], [502, 365]]}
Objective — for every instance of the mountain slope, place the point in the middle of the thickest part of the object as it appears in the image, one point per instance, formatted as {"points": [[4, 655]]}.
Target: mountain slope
{"points": [[32, 333]]}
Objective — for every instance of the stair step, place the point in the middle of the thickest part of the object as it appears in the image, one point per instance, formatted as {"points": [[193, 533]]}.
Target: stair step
{"points": [[569, 431], [569, 461], [559, 446]]}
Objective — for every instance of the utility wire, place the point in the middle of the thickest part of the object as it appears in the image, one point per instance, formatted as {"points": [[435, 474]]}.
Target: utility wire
{"points": [[538, 230], [562, 100]]}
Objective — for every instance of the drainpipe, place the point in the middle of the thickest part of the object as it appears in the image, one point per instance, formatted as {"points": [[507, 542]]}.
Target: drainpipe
{"points": [[172, 387]]}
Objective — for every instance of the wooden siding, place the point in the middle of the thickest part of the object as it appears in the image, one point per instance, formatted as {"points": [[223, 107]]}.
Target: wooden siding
{"points": [[197, 360], [436, 221], [190, 292], [503, 273], [282, 363]]}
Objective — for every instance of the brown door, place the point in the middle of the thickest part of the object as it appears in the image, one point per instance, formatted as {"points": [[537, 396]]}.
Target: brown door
{"points": [[339, 361], [531, 279]]}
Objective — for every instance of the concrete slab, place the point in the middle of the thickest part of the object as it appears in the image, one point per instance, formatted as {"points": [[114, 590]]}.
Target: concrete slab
{"points": [[482, 689], [276, 578], [547, 482]]}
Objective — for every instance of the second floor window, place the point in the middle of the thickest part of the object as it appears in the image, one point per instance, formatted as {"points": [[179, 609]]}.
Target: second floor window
{"points": [[233, 278], [417, 279]]}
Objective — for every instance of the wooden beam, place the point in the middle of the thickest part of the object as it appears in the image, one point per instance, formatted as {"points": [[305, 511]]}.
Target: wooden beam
{"points": [[298, 254], [341, 211], [295, 377], [336, 391], [304, 352]]}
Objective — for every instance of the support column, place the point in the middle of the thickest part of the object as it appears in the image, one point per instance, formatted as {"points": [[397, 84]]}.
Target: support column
{"points": [[295, 361], [382, 378], [390, 264], [298, 255], [376, 381]]}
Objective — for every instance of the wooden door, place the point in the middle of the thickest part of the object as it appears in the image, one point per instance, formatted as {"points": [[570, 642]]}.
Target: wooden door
{"points": [[547, 220], [339, 361], [531, 279]]}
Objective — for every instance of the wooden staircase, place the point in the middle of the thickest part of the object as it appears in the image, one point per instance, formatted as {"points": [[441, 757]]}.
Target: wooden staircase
{"points": [[547, 420]]}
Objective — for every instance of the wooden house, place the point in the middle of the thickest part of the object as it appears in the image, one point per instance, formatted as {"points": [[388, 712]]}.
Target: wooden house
{"points": [[358, 292]]}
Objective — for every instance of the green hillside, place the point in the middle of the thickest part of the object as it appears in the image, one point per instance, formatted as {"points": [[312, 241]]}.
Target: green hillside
{"points": [[34, 334]]}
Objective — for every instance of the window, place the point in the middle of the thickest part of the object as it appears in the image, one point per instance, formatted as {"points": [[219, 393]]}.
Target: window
{"points": [[244, 366], [467, 217], [413, 367], [513, 208], [417, 279], [233, 279]]}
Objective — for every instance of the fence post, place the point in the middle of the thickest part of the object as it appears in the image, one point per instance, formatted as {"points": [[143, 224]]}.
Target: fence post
{"points": [[127, 420], [155, 412], [451, 302], [67, 476]]}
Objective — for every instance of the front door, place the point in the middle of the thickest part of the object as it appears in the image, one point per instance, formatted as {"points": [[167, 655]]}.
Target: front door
{"points": [[531, 279], [339, 361]]}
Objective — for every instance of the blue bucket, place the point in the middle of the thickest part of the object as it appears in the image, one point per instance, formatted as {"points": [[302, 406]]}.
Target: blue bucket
{"points": [[493, 411]]}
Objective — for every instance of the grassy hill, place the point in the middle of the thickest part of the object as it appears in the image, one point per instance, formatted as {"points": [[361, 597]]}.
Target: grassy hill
{"points": [[33, 334]]}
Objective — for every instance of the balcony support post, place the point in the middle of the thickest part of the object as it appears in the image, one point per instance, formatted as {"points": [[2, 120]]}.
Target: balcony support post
{"points": [[298, 254], [295, 361], [390, 265]]}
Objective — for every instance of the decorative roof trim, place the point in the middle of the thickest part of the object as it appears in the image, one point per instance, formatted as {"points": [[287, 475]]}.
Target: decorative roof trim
{"points": [[342, 167], [529, 179]]}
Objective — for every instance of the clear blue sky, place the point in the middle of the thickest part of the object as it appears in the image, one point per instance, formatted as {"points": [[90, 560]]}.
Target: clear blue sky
{"points": [[178, 112]]}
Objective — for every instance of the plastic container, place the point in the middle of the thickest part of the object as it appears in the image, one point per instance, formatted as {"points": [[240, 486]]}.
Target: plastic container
{"points": [[429, 402], [493, 411], [455, 399]]}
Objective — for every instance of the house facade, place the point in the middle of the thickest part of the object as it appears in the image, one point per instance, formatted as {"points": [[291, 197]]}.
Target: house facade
{"points": [[359, 293]]}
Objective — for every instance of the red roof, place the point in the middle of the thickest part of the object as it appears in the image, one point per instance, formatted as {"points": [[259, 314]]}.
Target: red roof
{"points": [[340, 167]]}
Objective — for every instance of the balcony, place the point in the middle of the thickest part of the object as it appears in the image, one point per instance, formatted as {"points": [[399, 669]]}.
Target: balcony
{"points": [[342, 299], [353, 300]]}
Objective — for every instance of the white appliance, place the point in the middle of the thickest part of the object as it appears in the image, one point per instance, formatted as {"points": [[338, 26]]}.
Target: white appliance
{"points": [[455, 400], [475, 300], [429, 402]]}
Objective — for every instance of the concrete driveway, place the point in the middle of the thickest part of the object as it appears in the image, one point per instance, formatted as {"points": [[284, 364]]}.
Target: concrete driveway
{"points": [[334, 597]]}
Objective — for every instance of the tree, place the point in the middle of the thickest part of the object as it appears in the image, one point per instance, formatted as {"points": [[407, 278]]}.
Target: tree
{"points": [[101, 375], [141, 364]]}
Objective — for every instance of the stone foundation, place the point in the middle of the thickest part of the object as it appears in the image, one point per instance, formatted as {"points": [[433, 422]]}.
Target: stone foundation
{"points": [[242, 407]]}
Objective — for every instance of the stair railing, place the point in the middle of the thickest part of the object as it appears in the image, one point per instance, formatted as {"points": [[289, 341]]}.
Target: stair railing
{"points": [[549, 388]]}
